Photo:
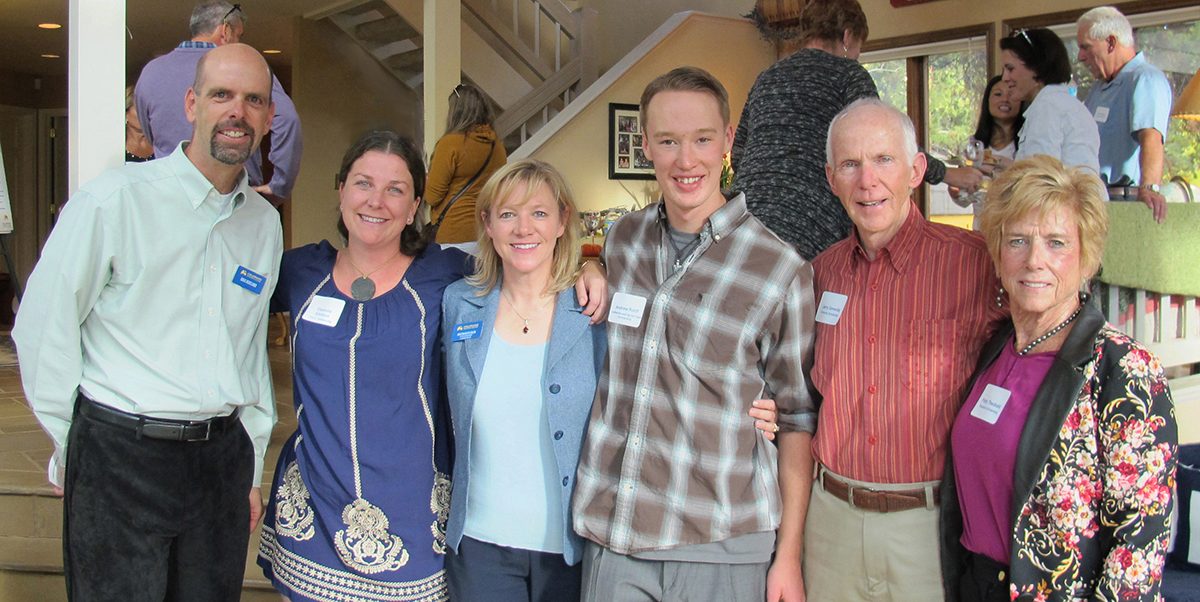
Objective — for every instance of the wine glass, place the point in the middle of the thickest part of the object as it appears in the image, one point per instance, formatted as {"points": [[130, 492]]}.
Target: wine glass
{"points": [[972, 152]]}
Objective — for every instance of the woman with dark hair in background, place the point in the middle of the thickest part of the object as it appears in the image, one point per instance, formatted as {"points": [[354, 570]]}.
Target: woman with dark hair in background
{"points": [[1000, 118], [1037, 67], [466, 156], [778, 155]]}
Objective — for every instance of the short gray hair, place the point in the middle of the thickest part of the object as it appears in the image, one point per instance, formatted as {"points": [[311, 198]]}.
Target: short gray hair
{"points": [[1107, 21], [906, 125], [208, 16]]}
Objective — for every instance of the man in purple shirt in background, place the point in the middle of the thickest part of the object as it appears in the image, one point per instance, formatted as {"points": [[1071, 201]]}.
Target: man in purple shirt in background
{"points": [[165, 80]]}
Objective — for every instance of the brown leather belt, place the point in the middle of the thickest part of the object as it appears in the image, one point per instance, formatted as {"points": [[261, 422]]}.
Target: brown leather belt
{"points": [[876, 500]]}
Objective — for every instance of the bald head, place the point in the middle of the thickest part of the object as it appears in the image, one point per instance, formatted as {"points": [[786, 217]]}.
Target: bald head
{"points": [[230, 105], [238, 53]]}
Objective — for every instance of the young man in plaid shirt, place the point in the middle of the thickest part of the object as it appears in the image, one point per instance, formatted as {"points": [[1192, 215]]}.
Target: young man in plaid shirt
{"points": [[679, 496]]}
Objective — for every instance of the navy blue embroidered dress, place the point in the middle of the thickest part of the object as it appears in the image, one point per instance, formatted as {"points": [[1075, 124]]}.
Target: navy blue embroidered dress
{"points": [[361, 492]]}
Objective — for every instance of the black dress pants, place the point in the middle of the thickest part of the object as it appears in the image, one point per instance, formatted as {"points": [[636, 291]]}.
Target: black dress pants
{"points": [[984, 580], [152, 520]]}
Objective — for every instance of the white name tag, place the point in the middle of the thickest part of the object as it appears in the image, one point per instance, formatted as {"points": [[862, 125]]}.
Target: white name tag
{"points": [[830, 309], [991, 404], [627, 309], [1101, 114], [324, 311]]}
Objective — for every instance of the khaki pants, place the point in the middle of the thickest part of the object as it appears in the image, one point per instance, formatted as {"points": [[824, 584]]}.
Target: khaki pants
{"points": [[851, 555]]}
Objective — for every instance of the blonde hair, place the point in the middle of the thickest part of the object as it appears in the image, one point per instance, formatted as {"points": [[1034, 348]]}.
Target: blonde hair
{"points": [[1034, 187], [530, 173]]}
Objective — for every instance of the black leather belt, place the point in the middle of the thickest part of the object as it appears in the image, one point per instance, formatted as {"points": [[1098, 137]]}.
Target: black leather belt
{"points": [[157, 428]]}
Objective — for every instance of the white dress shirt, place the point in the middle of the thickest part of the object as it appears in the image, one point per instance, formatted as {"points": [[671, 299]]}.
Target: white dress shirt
{"points": [[134, 304], [1057, 124]]}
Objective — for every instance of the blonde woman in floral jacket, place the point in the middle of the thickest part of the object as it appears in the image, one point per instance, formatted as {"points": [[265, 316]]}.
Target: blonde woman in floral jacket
{"points": [[1059, 483]]}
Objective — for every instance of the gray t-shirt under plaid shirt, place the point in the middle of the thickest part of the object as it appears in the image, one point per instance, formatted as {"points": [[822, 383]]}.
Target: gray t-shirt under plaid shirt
{"points": [[672, 458]]}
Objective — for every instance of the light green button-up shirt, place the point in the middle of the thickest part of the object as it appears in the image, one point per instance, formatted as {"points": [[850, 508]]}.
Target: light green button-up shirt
{"points": [[133, 303]]}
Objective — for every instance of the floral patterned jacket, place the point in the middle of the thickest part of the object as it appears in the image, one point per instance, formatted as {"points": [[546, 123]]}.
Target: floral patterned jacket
{"points": [[1094, 479]]}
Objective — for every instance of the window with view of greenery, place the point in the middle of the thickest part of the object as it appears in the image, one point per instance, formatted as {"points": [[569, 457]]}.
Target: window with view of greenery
{"points": [[956, 83], [1173, 49], [891, 77]]}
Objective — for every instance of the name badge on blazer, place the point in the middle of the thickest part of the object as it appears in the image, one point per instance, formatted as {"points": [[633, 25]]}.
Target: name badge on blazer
{"points": [[249, 280], [466, 330]]}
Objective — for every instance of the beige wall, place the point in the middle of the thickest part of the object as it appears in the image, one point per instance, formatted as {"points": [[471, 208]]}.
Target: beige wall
{"points": [[340, 93], [625, 23], [730, 49]]}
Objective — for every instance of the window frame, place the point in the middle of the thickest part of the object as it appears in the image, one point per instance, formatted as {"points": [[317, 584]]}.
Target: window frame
{"points": [[914, 49]]}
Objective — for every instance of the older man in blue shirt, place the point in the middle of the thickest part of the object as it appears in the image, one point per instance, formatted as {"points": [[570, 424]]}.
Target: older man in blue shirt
{"points": [[143, 352], [1131, 103]]}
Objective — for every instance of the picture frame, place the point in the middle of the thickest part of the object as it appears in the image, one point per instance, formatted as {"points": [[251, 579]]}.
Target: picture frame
{"points": [[626, 159]]}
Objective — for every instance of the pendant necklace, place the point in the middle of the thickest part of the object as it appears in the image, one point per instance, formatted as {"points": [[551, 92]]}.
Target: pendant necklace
{"points": [[514, 308], [363, 288], [1053, 331]]}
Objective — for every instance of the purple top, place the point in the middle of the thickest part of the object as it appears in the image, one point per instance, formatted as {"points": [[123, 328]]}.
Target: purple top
{"points": [[984, 439], [159, 94]]}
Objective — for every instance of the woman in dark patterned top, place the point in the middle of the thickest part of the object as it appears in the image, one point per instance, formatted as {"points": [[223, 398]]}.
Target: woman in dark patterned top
{"points": [[778, 155]]}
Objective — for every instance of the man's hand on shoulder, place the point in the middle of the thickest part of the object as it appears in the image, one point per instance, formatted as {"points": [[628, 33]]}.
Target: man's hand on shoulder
{"points": [[591, 289]]}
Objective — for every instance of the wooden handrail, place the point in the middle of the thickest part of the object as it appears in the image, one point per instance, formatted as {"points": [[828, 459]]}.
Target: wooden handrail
{"points": [[537, 99]]}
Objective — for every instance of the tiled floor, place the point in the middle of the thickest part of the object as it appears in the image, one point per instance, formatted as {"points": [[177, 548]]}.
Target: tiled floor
{"points": [[25, 448]]}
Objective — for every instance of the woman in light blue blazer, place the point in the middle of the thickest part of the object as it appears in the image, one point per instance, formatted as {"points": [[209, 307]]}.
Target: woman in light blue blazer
{"points": [[521, 364]]}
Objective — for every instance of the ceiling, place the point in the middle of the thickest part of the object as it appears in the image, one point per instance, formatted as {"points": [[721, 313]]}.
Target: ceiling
{"points": [[156, 26]]}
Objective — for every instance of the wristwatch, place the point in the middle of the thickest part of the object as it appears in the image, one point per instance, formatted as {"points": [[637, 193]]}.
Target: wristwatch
{"points": [[1155, 188]]}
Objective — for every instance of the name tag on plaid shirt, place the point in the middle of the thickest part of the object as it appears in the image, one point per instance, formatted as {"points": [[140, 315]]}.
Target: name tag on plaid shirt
{"points": [[627, 309]]}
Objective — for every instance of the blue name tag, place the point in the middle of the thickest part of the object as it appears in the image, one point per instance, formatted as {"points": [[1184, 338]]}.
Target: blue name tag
{"points": [[249, 280], [463, 332]]}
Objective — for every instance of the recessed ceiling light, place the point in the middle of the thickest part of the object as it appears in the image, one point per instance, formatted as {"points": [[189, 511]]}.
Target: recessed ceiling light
{"points": [[50, 56], [49, 25], [272, 51]]}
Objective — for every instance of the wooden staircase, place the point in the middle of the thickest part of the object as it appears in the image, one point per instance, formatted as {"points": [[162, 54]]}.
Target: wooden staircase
{"points": [[532, 58]]}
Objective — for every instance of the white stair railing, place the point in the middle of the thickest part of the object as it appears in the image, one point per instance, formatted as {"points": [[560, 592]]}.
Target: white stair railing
{"points": [[552, 46]]}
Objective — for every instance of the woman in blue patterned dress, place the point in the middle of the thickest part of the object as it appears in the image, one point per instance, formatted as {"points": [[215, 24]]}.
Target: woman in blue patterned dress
{"points": [[361, 492]]}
